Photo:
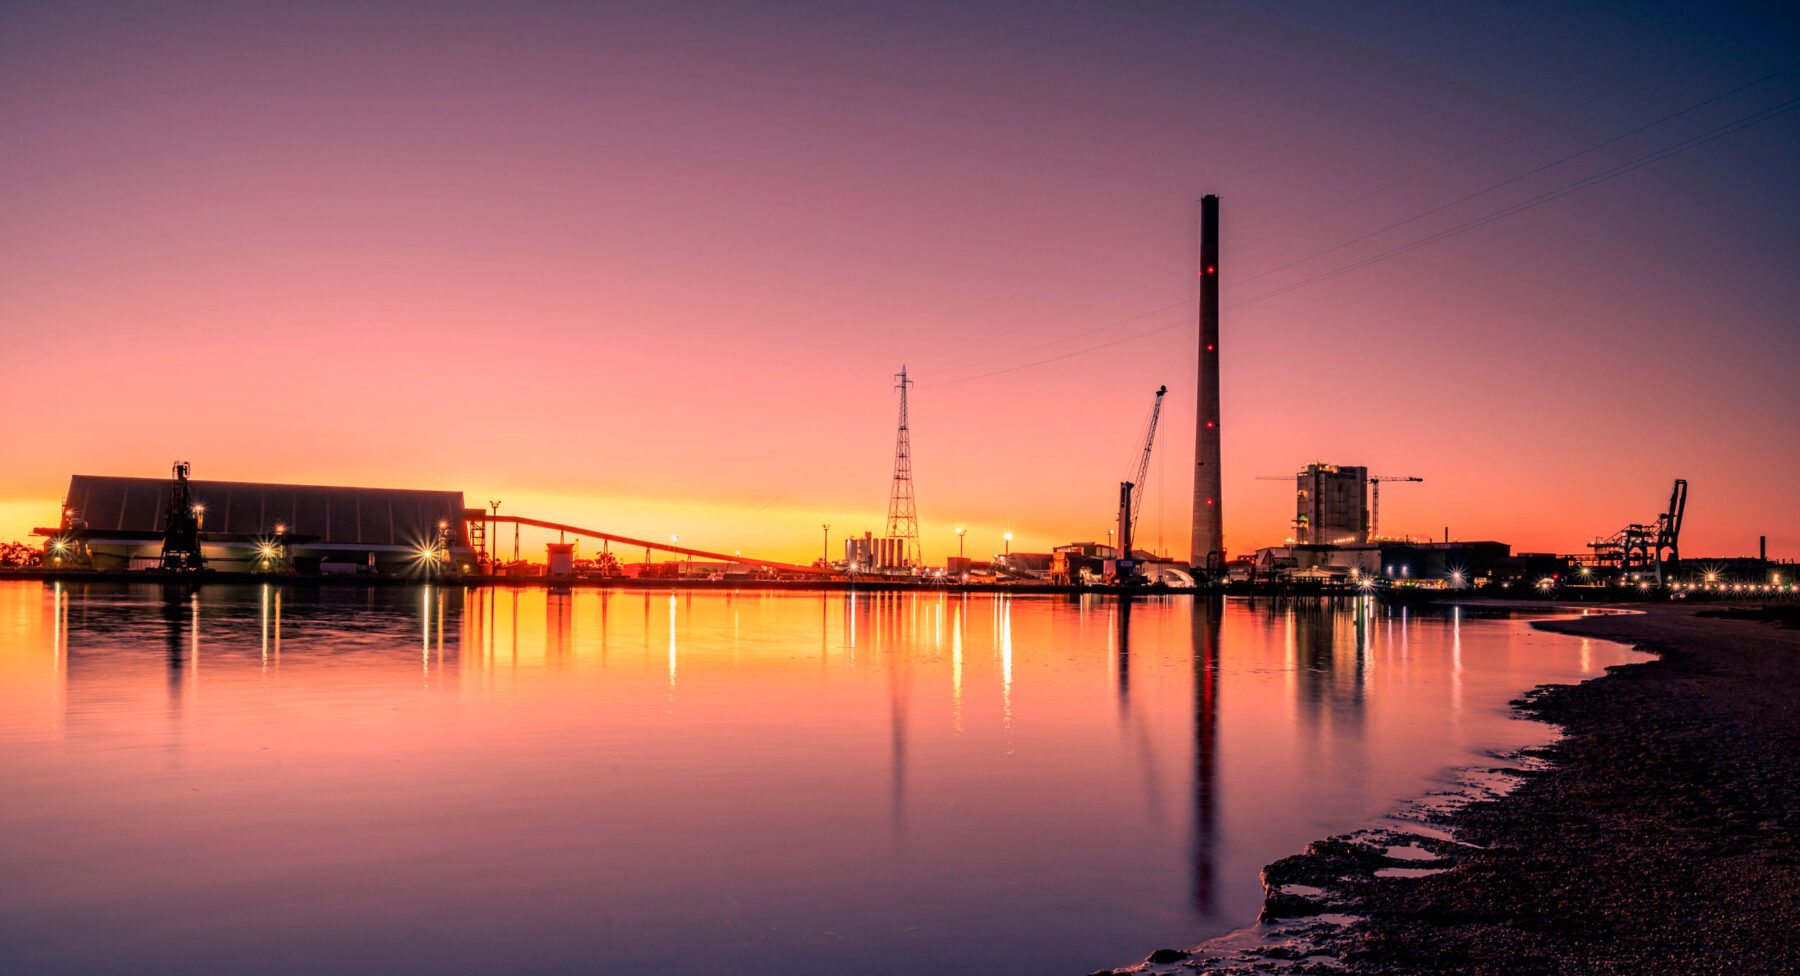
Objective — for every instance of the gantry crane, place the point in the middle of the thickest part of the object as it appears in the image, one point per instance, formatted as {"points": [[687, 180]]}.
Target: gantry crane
{"points": [[1375, 481], [1131, 496], [1646, 547]]}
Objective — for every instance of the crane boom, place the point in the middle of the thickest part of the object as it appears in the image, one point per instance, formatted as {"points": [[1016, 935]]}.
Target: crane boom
{"points": [[1131, 496], [1143, 470], [1375, 512]]}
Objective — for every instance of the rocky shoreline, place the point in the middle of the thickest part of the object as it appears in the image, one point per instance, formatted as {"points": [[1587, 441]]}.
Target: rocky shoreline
{"points": [[1660, 834]]}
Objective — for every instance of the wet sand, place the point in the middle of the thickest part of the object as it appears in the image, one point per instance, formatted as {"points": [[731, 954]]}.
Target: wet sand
{"points": [[1661, 834]]}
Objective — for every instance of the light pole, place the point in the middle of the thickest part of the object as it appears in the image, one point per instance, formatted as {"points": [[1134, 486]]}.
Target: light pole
{"points": [[826, 554], [1008, 538], [959, 542]]}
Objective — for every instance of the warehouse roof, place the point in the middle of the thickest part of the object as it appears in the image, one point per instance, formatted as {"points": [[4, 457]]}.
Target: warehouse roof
{"points": [[350, 516]]}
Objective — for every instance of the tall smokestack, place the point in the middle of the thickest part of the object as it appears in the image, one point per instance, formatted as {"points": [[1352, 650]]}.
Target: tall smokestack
{"points": [[1208, 549]]}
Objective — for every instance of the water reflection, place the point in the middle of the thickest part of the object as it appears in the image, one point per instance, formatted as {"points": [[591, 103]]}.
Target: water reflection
{"points": [[1204, 623], [923, 782]]}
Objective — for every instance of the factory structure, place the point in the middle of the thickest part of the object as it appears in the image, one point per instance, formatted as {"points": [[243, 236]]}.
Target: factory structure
{"points": [[184, 525], [114, 523], [1207, 547], [1331, 505], [1335, 538]]}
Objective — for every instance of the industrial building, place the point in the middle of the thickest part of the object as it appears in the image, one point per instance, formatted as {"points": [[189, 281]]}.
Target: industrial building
{"points": [[118, 523], [1091, 562], [869, 554], [1453, 563], [1331, 505]]}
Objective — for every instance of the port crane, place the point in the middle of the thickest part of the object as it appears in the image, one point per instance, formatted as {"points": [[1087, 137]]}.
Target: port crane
{"points": [[1131, 496], [1647, 547], [1375, 481]]}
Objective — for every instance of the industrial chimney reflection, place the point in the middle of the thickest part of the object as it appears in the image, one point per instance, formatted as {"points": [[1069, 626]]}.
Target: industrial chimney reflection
{"points": [[1204, 622]]}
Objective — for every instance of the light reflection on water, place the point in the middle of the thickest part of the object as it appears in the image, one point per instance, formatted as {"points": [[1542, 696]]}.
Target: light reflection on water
{"points": [[291, 779]]}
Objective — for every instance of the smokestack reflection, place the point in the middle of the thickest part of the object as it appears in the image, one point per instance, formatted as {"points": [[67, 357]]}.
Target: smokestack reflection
{"points": [[1204, 620]]}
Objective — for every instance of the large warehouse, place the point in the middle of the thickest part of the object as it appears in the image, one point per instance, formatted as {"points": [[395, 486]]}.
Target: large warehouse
{"points": [[311, 528]]}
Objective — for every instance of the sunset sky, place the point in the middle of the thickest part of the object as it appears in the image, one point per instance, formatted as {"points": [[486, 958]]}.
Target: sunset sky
{"points": [[650, 268]]}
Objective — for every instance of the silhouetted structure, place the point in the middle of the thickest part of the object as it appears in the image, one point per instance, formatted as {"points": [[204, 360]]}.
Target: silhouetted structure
{"points": [[146, 523], [903, 516], [181, 525], [1207, 552], [1646, 548]]}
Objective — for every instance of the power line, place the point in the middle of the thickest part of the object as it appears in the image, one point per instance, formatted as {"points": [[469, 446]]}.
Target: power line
{"points": [[1184, 320], [1070, 338], [1640, 162], [1359, 197], [1353, 199], [1603, 176], [1528, 173]]}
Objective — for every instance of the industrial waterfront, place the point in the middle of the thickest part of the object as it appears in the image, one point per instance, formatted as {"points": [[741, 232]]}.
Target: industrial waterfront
{"points": [[189, 527], [1135, 489], [534, 780]]}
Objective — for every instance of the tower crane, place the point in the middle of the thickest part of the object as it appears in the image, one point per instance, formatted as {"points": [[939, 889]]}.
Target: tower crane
{"points": [[1375, 498], [1131, 495]]}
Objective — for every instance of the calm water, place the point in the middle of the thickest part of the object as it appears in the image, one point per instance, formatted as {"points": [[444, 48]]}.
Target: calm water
{"points": [[312, 780]]}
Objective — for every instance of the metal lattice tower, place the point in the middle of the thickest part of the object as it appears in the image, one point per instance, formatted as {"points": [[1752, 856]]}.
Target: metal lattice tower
{"points": [[903, 516]]}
